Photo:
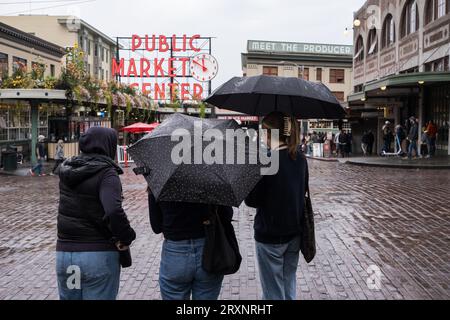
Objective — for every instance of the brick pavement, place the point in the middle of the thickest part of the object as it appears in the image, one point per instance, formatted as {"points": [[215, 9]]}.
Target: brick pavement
{"points": [[398, 220]]}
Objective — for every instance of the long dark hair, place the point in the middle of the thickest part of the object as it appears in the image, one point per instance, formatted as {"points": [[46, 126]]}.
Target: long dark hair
{"points": [[288, 129]]}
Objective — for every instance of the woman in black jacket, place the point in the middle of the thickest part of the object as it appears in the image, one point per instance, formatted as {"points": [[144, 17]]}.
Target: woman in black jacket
{"points": [[279, 202], [92, 225], [181, 275]]}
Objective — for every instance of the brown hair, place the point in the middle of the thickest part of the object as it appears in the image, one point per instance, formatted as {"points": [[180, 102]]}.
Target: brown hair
{"points": [[288, 128]]}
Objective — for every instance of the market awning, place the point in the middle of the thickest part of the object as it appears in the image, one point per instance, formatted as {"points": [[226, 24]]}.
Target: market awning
{"points": [[408, 80], [397, 82], [141, 127]]}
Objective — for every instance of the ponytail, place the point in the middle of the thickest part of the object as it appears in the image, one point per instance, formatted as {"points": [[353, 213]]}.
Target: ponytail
{"points": [[288, 128], [293, 140]]}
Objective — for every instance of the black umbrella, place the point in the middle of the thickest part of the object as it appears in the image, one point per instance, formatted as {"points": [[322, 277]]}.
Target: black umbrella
{"points": [[221, 184], [262, 95]]}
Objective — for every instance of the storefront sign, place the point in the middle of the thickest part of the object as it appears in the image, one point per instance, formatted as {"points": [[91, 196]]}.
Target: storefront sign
{"points": [[240, 118], [294, 47], [167, 68]]}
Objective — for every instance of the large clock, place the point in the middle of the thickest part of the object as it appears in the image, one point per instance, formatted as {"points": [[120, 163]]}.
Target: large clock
{"points": [[204, 67]]}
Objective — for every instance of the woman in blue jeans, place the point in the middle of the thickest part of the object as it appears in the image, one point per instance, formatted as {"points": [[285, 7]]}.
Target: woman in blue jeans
{"points": [[279, 202], [181, 275]]}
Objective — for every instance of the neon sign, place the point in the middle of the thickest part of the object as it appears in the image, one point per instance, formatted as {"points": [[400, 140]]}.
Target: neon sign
{"points": [[167, 67]]}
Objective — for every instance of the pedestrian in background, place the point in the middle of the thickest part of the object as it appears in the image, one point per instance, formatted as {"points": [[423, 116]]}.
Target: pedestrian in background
{"points": [[365, 143], [94, 233], [59, 156], [400, 136], [424, 143], [431, 131], [387, 137], [181, 275], [341, 143], [279, 203], [371, 137], [413, 136], [37, 170]]}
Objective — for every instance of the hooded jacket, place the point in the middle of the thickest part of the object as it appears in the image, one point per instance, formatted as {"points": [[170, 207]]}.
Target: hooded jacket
{"points": [[90, 214]]}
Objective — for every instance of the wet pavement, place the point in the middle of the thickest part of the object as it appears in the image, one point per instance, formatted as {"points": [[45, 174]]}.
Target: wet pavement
{"points": [[381, 233], [439, 162]]}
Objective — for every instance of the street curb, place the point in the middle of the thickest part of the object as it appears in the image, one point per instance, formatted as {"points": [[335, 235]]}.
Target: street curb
{"points": [[323, 159], [397, 166]]}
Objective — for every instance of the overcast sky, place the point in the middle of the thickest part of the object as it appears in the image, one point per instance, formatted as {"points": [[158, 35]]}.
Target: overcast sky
{"points": [[232, 22]]}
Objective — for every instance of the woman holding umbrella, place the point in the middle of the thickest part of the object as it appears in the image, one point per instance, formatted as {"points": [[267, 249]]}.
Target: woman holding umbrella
{"points": [[279, 203]]}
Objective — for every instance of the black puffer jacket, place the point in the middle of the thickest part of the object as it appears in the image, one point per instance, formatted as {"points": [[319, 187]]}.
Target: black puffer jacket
{"points": [[90, 215]]}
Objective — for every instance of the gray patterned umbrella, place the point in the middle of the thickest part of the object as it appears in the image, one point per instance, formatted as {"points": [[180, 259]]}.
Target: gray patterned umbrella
{"points": [[262, 95], [220, 184]]}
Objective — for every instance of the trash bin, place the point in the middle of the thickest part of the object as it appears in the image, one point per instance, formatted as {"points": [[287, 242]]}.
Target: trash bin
{"points": [[9, 160]]}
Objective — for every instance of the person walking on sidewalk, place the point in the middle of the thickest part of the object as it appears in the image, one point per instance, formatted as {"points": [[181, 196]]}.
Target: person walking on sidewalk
{"points": [[93, 230], [387, 137], [400, 136], [413, 136], [40, 155], [431, 131], [59, 156], [279, 207], [371, 137], [342, 141], [365, 143], [181, 275]]}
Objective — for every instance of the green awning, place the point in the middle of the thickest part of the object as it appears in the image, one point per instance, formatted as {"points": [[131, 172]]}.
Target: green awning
{"points": [[408, 80], [355, 97]]}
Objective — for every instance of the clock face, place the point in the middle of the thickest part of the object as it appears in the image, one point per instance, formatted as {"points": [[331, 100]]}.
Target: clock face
{"points": [[204, 67]]}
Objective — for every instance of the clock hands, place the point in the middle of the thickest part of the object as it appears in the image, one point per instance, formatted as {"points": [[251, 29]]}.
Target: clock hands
{"points": [[201, 65]]}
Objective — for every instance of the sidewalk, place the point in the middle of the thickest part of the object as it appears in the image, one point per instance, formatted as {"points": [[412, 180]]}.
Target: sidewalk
{"points": [[439, 162], [23, 170]]}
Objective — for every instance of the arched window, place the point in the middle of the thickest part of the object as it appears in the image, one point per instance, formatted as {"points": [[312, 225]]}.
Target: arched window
{"points": [[372, 42], [435, 9], [388, 34], [359, 49], [410, 19]]}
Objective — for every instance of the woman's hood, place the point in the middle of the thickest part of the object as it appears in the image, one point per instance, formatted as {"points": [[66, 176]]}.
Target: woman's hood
{"points": [[99, 140]]}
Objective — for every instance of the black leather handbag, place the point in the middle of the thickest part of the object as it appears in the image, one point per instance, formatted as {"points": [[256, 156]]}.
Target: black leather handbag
{"points": [[308, 240], [125, 258], [221, 252]]}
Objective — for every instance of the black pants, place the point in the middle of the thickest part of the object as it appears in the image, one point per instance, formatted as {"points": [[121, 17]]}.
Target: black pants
{"points": [[57, 163]]}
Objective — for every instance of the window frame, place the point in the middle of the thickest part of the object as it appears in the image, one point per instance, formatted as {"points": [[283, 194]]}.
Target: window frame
{"points": [[406, 21], [319, 74], [372, 42], [359, 49], [4, 66], [304, 73], [270, 73], [337, 76]]}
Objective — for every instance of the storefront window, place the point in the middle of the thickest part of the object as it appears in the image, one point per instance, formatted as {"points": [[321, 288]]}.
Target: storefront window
{"points": [[270, 71], [438, 111], [19, 63], [14, 122], [3, 65]]}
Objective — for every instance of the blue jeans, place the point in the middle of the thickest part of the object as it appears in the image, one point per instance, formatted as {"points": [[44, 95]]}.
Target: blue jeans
{"points": [[431, 146], [181, 274], [38, 167], [412, 146], [88, 275], [277, 269]]}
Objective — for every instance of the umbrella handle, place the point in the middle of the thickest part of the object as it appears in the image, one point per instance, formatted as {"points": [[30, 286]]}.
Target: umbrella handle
{"points": [[144, 171]]}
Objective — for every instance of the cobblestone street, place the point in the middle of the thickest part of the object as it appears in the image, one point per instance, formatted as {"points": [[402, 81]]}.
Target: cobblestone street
{"points": [[392, 219]]}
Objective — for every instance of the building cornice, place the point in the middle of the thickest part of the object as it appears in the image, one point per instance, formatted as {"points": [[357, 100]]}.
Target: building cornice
{"points": [[28, 40]]}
